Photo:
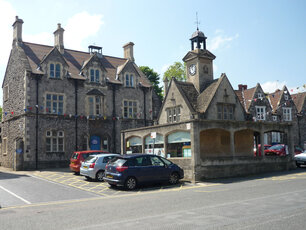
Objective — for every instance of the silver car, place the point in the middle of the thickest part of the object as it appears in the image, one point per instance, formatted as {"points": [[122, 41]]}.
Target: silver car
{"points": [[300, 159], [94, 166]]}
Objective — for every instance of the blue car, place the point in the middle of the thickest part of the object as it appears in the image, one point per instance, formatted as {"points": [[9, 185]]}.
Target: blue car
{"points": [[133, 169]]}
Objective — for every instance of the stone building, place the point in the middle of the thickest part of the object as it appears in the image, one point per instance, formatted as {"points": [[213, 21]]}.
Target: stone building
{"points": [[57, 100], [300, 102], [203, 126]]}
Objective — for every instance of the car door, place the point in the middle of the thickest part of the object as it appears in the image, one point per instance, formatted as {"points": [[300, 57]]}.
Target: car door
{"points": [[159, 170], [143, 169]]}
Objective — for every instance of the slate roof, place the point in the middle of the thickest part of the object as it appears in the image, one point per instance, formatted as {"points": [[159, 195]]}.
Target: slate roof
{"points": [[299, 100], [76, 60], [188, 91], [240, 97], [248, 96], [275, 98], [207, 95]]}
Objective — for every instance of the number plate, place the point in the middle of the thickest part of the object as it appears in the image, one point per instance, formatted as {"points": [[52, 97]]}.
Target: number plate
{"points": [[109, 176], [85, 167]]}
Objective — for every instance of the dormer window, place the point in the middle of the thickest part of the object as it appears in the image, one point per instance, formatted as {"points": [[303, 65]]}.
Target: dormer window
{"points": [[55, 70], [129, 80], [94, 75], [260, 96], [286, 97]]}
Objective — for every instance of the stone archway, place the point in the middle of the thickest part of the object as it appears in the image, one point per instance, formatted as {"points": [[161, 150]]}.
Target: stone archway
{"points": [[244, 142]]}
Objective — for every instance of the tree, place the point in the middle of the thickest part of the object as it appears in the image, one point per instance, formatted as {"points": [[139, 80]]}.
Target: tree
{"points": [[177, 70], [154, 79]]}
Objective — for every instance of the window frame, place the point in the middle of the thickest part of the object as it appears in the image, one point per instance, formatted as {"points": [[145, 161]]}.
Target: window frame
{"points": [[130, 109], [225, 112], [260, 115], [173, 114], [4, 146], [129, 80], [94, 111], [60, 135], [287, 116], [51, 102], [95, 75], [56, 71]]}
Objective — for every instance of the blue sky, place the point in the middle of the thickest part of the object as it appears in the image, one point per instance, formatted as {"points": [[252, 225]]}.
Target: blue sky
{"points": [[254, 41]]}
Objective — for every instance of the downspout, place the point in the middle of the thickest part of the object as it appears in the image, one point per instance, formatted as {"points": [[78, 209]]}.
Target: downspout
{"points": [[144, 106], [114, 117], [76, 112], [36, 126]]}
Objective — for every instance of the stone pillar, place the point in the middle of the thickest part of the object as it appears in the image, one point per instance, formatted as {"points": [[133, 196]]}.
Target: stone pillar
{"points": [[290, 140], [262, 146], [165, 146], [195, 151], [123, 145], [143, 141], [232, 142]]}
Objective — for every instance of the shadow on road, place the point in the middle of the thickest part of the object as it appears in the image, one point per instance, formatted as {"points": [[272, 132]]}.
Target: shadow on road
{"points": [[7, 176], [256, 177]]}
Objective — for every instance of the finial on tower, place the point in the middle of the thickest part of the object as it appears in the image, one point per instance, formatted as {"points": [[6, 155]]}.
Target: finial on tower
{"points": [[197, 21]]}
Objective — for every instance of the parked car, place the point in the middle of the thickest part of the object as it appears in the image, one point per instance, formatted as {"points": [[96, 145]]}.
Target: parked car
{"points": [[78, 157], [133, 169], [94, 166], [280, 150], [259, 149], [300, 159], [276, 150]]}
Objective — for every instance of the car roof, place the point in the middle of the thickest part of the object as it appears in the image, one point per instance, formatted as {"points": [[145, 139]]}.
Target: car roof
{"points": [[106, 155], [135, 155], [91, 151]]}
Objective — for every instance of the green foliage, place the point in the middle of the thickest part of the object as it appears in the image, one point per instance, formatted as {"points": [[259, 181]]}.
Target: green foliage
{"points": [[177, 70], [154, 79]]}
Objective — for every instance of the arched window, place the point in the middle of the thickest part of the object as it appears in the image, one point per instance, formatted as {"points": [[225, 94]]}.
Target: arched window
{"points": [[51, 73]]}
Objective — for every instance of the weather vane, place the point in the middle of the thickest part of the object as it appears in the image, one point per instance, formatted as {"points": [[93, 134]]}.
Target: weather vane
{"points": [[197, 21]]}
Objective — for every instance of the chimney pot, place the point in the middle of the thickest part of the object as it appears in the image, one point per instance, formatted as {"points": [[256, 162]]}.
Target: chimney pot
{"points": [[59, 38], [17, 31], [242, 87]]}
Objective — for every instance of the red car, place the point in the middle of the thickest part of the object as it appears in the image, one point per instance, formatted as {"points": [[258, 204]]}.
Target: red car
{"points": [[78, 157], [259, 149], [280, 150]]}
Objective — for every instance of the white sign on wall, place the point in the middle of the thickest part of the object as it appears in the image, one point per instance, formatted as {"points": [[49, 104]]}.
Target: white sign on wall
{"points": [[153, 135]]}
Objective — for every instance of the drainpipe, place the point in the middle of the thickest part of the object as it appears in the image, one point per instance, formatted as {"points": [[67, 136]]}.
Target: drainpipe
{"points": [[76, 112], [114, 117], [36, 126]]}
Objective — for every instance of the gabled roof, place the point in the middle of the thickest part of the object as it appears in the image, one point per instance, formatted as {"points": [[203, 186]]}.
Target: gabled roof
{"points": [[208, 94], [189, 93], [198, 53], [75, 60], [95, 92], [299, 100], [276, 97], [248, 96]]}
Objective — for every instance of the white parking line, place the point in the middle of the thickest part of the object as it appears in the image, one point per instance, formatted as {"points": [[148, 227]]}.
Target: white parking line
{"points": [[24, 200]]}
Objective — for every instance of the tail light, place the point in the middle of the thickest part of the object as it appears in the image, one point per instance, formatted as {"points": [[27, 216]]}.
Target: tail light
{"points": [[106, 166], [92, 165], [121, 168]]}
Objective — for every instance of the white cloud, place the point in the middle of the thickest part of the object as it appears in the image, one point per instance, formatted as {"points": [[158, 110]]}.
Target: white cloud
{"points": [[220, 40], [271, 86], [81, 26], [163, 70]]}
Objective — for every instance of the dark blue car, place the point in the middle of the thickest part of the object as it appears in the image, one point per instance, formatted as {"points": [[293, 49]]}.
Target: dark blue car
{"points": [[134, 169]]}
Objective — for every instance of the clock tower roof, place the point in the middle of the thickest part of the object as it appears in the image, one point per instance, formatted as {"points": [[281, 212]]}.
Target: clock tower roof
{"points": [[197, 33]]}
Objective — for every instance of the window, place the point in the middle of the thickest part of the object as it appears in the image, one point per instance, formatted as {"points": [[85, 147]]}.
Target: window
{"points": [[95, 105], [260, 112], [225, 112], [275, 137], [287, 114], [55, 104], [129, 109], [54, 141], [286, 97], [129, 80], [274, 118], [173, 114], [94, 75], [5, 92], [55, 70], [259, 95], [4, 146]]}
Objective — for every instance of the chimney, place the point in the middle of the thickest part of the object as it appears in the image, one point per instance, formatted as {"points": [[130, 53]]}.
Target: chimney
{"points": [[17, 31], [59, 38], [242, 87], [128, 51], [166, 85]]}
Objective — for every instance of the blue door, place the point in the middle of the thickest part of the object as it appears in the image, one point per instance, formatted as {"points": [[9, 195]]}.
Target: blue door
{"points": [[95, 143]]}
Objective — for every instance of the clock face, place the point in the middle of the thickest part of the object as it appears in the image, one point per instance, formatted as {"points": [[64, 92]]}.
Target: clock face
{"points": [[192, 69]]}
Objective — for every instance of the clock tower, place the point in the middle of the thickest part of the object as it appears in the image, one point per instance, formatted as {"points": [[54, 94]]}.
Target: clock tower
{"points": [[199, 62]]}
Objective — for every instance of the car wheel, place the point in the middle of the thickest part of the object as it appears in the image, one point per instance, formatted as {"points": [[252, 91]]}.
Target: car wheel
{"points": [[174, 178], [298, 165], [100, 175], [130, 183]]}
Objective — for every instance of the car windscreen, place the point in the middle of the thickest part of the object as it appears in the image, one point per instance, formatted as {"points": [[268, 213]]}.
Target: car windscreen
{"points": [[75, 156], [91, 159], [117, 162], [276, 147], [167, 162]]}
